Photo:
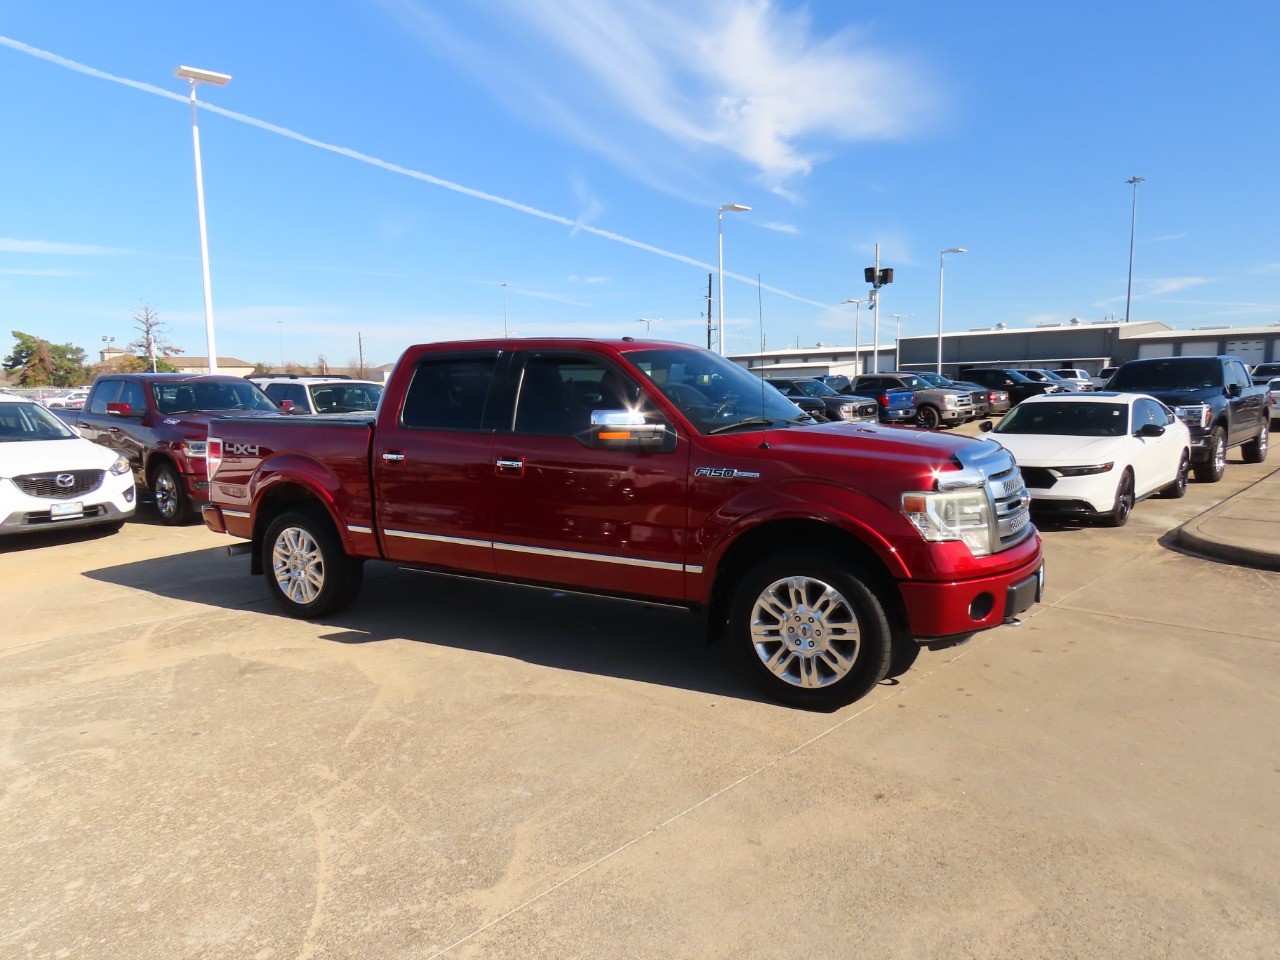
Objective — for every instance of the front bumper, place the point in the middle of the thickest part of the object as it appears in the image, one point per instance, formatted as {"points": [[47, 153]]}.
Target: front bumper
{"points": [[113, 502], [905, 415], [961, 607]]}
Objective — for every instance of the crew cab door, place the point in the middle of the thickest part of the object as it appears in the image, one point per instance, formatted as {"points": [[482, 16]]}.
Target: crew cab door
{"points": [[1245, 402], [569, 513], [433, 463]]}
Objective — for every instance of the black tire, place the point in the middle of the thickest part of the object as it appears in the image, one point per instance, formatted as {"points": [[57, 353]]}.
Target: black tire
{"points": [[1119, 513], [790, 586], [1212, 469], [312, 575], [1178, 489], [928, 417], [1255, 451], [172, 504]]}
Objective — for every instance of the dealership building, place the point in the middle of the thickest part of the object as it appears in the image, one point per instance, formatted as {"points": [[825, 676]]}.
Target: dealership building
{"points": [[1074, 343]]}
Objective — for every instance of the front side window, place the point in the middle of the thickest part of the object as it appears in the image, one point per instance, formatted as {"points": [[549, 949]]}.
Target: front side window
{"points": [[131, 392], [558, 393], [449, 392], [108, 391]]}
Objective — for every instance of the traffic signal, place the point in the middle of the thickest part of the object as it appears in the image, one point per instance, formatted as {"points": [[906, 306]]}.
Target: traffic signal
{"points": [[886, 276]]}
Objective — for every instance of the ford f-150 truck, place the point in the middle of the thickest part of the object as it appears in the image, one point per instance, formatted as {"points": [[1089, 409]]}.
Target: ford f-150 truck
{"points": [[649, 471], [1217, 400]]}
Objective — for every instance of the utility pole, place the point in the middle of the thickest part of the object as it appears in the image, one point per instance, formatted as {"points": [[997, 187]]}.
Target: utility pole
{"points": [[360, 350], [709, 276]]}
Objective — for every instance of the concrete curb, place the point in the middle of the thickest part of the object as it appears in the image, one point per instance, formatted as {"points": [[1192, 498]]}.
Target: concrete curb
{"points": [[1243, 529]]}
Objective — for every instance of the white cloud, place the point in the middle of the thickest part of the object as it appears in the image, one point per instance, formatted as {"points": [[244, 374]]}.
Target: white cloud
{"points": [[790, 228], [53, 248]]}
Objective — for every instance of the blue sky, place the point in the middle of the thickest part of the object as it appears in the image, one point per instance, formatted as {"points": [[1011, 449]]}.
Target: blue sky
{"points": [[383, 166]]}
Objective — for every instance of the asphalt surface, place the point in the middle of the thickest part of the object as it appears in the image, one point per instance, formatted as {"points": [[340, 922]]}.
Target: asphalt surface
{"points": [[465, 770]]}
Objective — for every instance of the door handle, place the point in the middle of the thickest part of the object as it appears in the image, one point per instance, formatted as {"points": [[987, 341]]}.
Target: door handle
{"points": [[510, 467], [113, 429], [393, 456]]}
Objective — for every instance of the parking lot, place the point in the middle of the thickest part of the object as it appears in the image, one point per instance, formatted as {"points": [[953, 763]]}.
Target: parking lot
{"points": [[461, 769]]}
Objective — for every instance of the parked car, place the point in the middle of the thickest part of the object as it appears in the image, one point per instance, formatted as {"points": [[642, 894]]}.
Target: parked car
{"points": [[643, 470], [1265, 372], [985, 402], [64, 399], [894, 404], [1055, 383], [1215, 398], [51, 477], [159, 422], [1096, 454], [319, 395], [835, 405], [1077, 375], [1011, 382], [1273, 387]]}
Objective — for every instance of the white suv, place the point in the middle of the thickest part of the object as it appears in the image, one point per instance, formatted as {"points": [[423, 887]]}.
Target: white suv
{"points": [[320, 394]]}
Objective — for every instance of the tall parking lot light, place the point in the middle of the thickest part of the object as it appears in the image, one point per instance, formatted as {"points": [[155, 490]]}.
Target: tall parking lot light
{"points": [[857, 333], [1133, 226], [726, 208], [195, 77], [941, 260]]}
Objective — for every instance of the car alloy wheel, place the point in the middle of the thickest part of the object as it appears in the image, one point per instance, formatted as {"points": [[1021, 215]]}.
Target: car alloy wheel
{"points": [[298, 565]]}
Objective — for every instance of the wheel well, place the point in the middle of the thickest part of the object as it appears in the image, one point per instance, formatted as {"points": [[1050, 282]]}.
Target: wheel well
{"points": [[281, 498], [812, 536], [155, 462]]}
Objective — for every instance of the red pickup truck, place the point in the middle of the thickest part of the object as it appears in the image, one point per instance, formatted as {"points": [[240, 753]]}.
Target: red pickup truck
{"points": [[652, 471]]}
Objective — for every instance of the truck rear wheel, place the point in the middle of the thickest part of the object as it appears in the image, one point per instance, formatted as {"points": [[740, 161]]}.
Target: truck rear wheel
{"points": [[809, 632], [308, 572], [1255, 451]]}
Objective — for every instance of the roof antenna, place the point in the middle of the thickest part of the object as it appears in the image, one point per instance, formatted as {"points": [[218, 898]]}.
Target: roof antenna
{"points": [[764, 434]]}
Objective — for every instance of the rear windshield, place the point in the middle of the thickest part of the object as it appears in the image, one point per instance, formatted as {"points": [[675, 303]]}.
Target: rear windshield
{"points": [[1175, 373], [1267, 370], [1067, 418]]}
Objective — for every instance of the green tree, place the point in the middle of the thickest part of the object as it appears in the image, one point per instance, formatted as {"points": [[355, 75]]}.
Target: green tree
{"points": [[39, 363]]}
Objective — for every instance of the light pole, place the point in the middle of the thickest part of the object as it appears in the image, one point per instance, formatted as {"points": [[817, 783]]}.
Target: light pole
{"points": [[218, 80], [647, 321], [504, 310], [857, 333], [1133, 226], [725, 208], [897, 338], [941, 260]]}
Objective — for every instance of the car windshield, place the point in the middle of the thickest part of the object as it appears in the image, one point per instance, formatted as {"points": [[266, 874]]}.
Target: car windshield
{"points": [[715, 394], [345, 397], [188, 396], [1067, 418], [30, 421], [1175, 373], [1044, 376], [911, 382], [937, 380], [815, 388], [1266, 370]]}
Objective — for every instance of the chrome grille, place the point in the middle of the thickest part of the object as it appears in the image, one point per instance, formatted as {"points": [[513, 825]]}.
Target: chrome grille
{"points": [[1012, 506], [47, 486]]}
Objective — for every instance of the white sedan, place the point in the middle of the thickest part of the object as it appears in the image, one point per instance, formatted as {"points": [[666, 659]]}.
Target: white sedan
{"points": [[1096, 454], [51, 477]]}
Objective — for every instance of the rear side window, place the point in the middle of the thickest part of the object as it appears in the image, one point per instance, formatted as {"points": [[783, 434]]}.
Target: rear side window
{"points": [[448, 393]]}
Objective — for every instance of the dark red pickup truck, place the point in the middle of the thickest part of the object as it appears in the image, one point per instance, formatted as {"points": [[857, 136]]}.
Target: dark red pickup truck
{"points": [[642, 470]]}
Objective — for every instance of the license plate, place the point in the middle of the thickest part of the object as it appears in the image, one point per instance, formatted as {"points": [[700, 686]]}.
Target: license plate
{"points": [[64, 511]]}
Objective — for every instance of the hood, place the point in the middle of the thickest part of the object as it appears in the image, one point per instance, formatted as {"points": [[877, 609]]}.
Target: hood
{"points": [[197, 421], [1174, 398], [21, 457], [1038, 450]]}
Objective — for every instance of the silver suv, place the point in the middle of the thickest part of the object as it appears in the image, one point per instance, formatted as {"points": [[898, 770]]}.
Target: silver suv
{"points": [[320, 394]]}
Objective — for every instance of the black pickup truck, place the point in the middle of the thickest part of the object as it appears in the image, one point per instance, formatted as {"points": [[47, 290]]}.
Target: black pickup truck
{"points": [[1214, 397]]}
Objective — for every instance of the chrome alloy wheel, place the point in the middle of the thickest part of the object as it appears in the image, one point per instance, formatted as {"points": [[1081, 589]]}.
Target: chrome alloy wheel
{"points": [[298, 565], [1219, 453], [165, 494], [805, 632]]}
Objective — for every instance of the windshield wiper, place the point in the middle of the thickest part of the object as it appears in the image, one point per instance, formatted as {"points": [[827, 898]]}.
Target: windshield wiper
{"points": [[750, 422]]}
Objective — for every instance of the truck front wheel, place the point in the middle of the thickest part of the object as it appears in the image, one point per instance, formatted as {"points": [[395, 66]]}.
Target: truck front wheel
{"points": [[1215, 465], [809, 632], [308, 572]]}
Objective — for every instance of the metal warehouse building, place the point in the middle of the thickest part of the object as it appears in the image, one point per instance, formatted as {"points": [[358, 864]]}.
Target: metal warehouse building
{"points": [[1070, 344]]}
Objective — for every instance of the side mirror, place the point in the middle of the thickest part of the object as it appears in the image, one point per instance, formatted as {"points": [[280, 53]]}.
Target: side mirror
{"points": [[986, 426], [627, 430], [119, 410], [1151, 431], [286, 406], [1233, 390]]}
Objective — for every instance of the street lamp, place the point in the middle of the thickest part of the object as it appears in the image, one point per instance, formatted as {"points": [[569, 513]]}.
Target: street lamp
{"points": [[857, 332], [647, 321], [942, 259], [897, 338], [1133, 225], [726, 208], [218, 80]]}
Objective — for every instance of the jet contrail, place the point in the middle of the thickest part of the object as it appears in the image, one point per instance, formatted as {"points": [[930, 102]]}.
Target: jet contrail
{"points": [[574, 224]]}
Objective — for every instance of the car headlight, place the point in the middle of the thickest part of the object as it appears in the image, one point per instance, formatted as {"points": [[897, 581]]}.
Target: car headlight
{"points": [[846, 411], [950, 401], [1081, 471], [120, 467], [195, 448], [963, 515], [1194, 414]]}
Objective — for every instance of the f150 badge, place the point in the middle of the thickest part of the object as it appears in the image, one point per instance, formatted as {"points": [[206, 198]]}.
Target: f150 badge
{"points": [[725, 473]]}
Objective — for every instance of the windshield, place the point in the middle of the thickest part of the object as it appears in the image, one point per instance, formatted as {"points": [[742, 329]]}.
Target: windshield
{"points": [[937, 380], [30, 421], [1175, 373], [1266, 370], [1067, 418], [1043, 376], [815, 388], [912, 382], [715, 394], [345, 397], [187, 396]]}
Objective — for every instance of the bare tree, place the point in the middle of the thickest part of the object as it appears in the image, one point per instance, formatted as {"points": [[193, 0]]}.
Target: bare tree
{"points": [[153, 345], [359, 370]]}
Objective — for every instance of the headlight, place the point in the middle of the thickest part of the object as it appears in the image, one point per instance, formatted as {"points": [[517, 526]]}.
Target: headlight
{"points": [[120, 467], [963, 515], [1081, 471], [846, 411], [195, 448], [950, 401], [1194, 414]]}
